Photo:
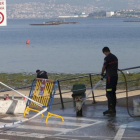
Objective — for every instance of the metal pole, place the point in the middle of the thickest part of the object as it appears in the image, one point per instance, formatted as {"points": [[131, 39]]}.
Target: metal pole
{"points": [[92, 88], [4, 90], [60, 95]]}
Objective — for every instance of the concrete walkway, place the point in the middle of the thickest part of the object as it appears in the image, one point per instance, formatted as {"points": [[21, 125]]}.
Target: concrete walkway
{"points": [[92, 126]]}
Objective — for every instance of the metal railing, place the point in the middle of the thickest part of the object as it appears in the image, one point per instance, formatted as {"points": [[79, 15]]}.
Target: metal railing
{"points": [[68, 79], [16, 88], [91, 85]]}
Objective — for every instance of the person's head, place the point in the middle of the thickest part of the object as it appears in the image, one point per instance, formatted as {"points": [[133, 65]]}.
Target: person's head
{"points": [[37, 71], [106, 50]]}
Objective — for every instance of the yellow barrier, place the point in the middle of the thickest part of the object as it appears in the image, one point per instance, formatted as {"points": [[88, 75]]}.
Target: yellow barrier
{"points": [[42, 91]]}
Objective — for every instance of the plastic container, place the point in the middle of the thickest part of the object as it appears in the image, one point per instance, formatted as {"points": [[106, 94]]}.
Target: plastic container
{"points": [[78, 90]]}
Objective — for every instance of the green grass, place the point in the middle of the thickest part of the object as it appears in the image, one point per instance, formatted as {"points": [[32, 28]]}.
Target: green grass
{"points": [[25, 79], [133, 81], [16, 79]]}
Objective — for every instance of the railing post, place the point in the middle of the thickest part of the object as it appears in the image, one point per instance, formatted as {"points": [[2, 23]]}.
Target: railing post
{"points": [[92, 88], [60, 95]]}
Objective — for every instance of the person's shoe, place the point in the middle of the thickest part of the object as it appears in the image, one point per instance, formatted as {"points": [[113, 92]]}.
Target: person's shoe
{"points": [[109, 112]]}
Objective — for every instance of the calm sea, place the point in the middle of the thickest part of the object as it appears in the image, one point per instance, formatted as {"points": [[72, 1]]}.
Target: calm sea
{"points": [[73, 48]]}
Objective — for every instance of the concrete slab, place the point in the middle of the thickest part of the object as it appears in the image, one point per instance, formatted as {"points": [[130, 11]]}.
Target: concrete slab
{"points": [[12, 106], [93, 125]]}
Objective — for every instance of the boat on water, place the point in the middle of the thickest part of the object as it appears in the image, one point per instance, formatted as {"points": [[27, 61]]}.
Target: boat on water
{"points": [[131, 21], [61, 22], [53, 23], [44, 24]]}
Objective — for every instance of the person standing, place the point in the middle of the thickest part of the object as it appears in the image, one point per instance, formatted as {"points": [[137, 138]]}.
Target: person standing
{"points": [[111, 67], [42, 74]]}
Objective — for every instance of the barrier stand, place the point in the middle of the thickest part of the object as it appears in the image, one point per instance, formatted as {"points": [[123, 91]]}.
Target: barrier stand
{"points": [[52, 90], [42, 91], [22, 121]]}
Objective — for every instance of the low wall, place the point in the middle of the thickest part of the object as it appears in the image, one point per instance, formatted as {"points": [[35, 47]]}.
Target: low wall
{"points": [[12, 106]]}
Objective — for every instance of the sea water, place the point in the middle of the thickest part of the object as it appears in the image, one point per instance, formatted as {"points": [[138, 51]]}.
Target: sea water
{"points": [[68, 48]]}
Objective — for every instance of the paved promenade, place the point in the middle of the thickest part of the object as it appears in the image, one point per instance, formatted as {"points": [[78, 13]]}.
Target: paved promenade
{"points": [[92, 126]]}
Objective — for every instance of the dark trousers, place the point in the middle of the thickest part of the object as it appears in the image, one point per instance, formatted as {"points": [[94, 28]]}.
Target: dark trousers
{"points": [[111, 83]]}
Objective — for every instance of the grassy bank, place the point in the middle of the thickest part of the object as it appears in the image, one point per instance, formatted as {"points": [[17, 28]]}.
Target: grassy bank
{"points": [[25, 79]]}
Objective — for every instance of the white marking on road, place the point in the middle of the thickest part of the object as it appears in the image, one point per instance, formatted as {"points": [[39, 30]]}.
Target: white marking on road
{"points": [[67, 123], [131, 138], [77, 128], [24, 134], [65, 138], [58, 122], [13, 118], [78, 118], [120, 132], [42, 128], [93, 137], [60, 131], [70, 118], [25, 120], [135, 124], [79, 137]]}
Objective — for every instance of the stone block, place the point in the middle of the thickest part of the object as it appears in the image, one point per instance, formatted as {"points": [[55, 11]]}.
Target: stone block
{"points": [[136, 106], [12, 106]]}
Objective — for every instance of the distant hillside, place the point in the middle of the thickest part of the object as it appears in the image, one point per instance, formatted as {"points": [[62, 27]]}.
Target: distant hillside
{"points": [[106, 4]]}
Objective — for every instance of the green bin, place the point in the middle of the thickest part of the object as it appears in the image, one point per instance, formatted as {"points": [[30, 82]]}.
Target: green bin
{"points": [[78, 90]]}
